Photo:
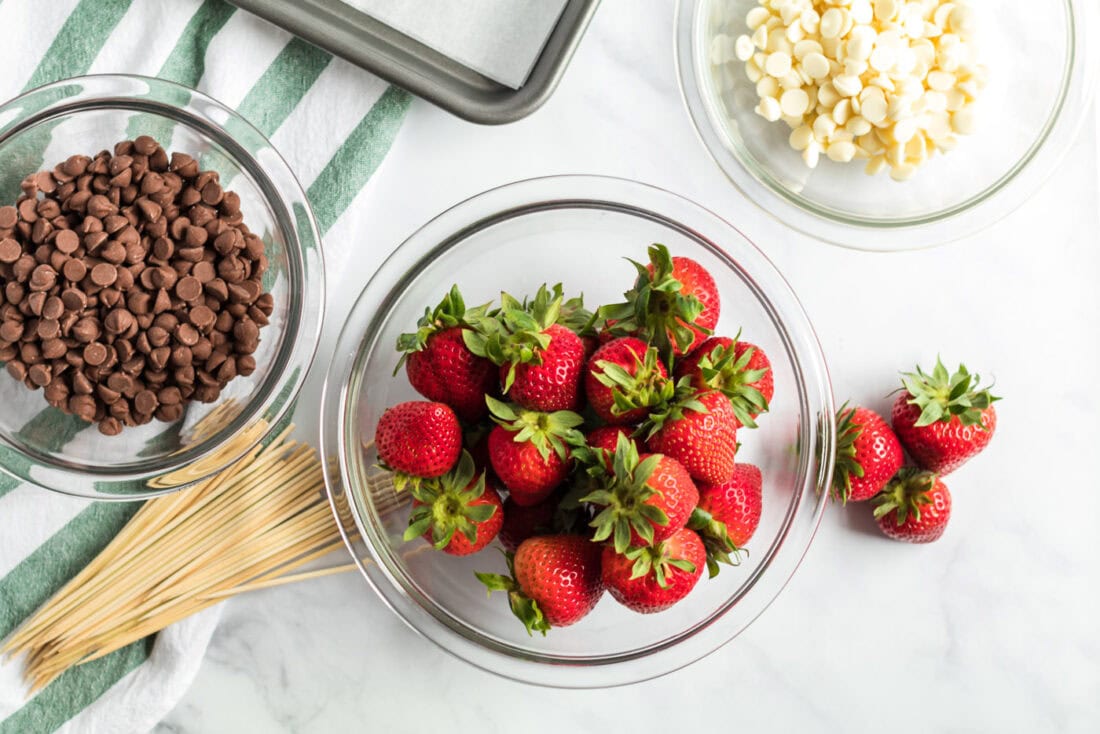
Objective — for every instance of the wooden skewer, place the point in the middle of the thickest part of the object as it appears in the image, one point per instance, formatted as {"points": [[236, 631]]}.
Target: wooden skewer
{"points": [[250, 527]]}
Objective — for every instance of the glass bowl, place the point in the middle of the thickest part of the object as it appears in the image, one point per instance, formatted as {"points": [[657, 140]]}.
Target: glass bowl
{"points": [[43, 446], [1042, 73], [576, 230]]}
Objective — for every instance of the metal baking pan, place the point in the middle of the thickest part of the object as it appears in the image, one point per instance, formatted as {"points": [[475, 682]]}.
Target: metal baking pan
{"points": [[351, 34]]}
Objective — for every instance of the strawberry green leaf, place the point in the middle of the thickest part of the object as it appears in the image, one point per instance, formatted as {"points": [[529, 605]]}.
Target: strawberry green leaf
{"points": [[846, 466], [546, 431], [524, 607], [719, 546], [942, 396], [907, 492], [723, 370], [621, 501], [655, 560], [655, 309], [450, 312], [685, 398], [447, 505], [418, 528]]}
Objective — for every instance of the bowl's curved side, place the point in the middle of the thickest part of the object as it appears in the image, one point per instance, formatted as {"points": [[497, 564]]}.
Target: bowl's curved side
{"points": [[888, 231], [166, 104], [351, 498]]}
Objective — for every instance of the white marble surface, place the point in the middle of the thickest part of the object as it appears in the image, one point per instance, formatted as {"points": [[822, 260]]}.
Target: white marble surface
{"points": [[994, 628]]}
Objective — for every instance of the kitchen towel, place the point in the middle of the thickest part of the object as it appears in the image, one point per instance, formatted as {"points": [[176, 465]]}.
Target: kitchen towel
{"points": [[334, 124]]}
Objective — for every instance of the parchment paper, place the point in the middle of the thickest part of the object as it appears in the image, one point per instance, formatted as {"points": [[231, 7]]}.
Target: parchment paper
{"points": [[501, 39]]}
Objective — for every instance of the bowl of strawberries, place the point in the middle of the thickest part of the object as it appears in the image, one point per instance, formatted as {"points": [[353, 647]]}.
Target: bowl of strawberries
{"points": [[581, 431]]}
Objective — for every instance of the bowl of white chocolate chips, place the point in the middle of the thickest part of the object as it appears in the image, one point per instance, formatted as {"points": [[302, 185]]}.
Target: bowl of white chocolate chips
{"points": [[886, 124]]}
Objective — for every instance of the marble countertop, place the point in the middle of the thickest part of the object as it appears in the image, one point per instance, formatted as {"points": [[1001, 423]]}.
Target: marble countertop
{"points": [[993, 628]]}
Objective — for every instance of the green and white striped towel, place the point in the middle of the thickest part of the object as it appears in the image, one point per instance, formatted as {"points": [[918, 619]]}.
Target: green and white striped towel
{"points": [[334, 124]]}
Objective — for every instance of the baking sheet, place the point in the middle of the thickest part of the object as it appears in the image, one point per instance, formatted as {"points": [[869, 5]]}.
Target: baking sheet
{"points": [[501, 39]]}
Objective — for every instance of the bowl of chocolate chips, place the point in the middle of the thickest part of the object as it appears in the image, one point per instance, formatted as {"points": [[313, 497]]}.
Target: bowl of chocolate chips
{"points": [[161, 287]]}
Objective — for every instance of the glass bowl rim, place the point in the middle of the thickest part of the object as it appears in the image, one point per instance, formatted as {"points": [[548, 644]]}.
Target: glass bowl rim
{"points": [[282, 192], [994, 203], [340, 391]]}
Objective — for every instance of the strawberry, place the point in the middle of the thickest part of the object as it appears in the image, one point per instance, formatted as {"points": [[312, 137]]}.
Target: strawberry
{"points": [[914, 507], [699, 430], [417, 440], [643, 500], [728, 515], [540, 360], [521, 523], [528, 449], [674, 304], [652, 579], [607, 437], [439, 364], [740, 370], [458, 513], [868, 454], [554, 581], [944, 421], [624, 379]]}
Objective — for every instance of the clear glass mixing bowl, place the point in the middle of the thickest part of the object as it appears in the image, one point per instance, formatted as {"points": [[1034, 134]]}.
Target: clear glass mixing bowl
{"points": [[41, 445], [576, 230], [1042, 61]]}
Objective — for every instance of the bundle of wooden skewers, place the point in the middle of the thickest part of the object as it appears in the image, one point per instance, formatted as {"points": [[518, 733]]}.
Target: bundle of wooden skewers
{"points": [[252, 526]]}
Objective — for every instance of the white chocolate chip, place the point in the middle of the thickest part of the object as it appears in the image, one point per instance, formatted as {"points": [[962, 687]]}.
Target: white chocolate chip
{"points": [[743, 48], [892, 82], [778, 64], [794, 102], [832, 23], [801, 137], [769, 109]]}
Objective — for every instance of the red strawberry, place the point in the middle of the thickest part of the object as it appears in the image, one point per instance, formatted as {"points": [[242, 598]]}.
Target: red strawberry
{"points": [[944, 421], [700, 431], [643, 500], [552, 383], [607, 437], [868, 454], [521, 523], [652, 579], [738, 369], [624, 379], [418, 439], [554, 581], [674, 304], [529, 451], [457, 513], [728, 514], [914, 507], [439, 364], [541, 361]]}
